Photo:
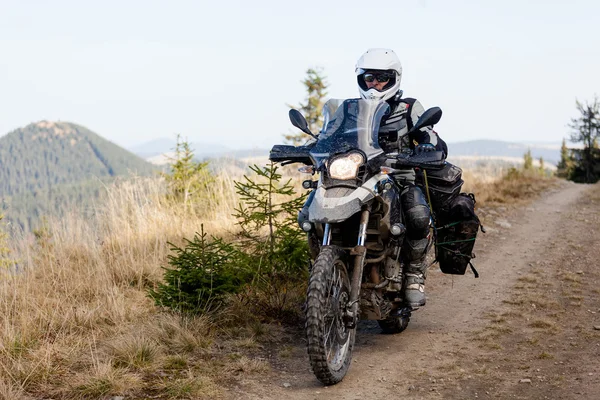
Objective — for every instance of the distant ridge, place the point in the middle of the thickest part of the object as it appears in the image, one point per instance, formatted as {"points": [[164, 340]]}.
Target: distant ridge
{"points": [[46, 153], [484, 148], [549, 151], [46, 163]]}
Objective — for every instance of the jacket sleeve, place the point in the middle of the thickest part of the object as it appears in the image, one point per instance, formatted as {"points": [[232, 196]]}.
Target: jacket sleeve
{"points": [[426, 134]]}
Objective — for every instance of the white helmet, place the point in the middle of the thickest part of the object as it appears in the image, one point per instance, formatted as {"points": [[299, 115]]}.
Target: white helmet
{"points": [[379, 60]]}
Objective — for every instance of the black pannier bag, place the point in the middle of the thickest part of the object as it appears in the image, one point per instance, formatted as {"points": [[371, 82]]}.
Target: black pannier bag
{"points": [[456, 232], [444, 186], [455, 218]]}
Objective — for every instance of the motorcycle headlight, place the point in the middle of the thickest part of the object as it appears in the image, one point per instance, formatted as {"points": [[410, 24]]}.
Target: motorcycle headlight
{"points": [[346, 167]]}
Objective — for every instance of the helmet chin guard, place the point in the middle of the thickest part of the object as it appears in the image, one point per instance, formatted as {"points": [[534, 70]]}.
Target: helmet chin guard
{"points": [[374, 94], [378, 60]]}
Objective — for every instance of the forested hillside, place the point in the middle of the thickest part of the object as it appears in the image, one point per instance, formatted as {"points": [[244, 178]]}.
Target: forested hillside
{"points": [[47, 167]]}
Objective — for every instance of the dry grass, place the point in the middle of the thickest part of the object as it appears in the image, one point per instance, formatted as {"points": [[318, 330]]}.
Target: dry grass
{"points": [[543, 324], [190, 387], [507, 188], [75, 320], [570, 277]]}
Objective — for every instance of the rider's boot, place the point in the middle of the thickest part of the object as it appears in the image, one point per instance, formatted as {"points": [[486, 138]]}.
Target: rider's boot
{"points": [[415, 273]]}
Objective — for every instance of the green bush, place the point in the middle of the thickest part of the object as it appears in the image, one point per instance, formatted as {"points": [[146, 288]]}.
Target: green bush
{"points": [[201, 274], [270, 254], [283, 248]]}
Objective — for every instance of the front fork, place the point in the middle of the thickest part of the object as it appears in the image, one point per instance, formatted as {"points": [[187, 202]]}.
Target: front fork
{"points": [[360, 253]]}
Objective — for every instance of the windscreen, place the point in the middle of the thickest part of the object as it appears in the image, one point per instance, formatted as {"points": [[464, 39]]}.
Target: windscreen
{"points": [[349, 124]]}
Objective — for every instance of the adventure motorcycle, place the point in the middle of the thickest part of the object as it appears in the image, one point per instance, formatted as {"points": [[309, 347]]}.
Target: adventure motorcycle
{"points": [[355, 215]]}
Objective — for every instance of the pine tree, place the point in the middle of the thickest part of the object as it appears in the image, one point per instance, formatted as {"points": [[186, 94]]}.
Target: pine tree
{"points": [[200, 275], [564, 169], [272, 206], [316, 86], [275, 247], [270, 255], [586, 129], [527, 160], [187, 178]]}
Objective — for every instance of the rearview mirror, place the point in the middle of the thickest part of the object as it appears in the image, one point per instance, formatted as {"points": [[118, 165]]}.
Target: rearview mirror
{"points": [[430, 117], [299, 121]]}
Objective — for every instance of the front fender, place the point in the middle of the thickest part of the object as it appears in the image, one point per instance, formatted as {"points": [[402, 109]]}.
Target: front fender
{"points": [[337, 204]]}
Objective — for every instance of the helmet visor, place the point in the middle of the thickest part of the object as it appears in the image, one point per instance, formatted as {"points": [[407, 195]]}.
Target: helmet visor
{"points": [[370, 76]]}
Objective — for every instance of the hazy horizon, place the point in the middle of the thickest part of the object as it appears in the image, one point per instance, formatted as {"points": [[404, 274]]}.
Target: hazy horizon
{"points": [[550, 144], [241, 147], [133, 71]]}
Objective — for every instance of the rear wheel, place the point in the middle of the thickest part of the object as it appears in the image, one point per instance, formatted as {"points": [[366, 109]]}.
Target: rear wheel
{"points": [[330, 341]]}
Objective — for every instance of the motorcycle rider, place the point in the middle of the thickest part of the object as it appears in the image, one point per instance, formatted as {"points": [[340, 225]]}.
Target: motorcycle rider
{"points": [[378, 74]]}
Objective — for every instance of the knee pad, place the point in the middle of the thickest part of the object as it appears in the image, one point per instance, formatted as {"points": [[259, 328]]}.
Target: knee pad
{"points": [[416, 213]]}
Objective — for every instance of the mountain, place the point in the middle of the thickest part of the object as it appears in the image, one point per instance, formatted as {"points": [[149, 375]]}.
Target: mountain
{"points": [[46, 164], [153, 147], [499, 149], [158, 151]]}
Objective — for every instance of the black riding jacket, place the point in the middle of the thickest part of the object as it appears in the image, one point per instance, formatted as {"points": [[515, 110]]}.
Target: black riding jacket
{"points": [[393, 131]]}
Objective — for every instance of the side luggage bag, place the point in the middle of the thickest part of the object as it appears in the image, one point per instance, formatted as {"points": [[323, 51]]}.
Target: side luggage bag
{"points": [[444, 186], [456, 233]]}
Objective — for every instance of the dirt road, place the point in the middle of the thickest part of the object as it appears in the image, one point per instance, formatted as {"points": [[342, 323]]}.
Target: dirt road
{"points": [[528, 328]]}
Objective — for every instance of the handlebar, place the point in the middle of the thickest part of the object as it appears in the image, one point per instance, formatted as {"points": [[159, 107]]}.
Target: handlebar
{"points": [[292, 154]]}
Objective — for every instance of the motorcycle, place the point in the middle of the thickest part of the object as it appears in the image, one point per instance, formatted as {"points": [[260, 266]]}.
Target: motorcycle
{"points": [[354, 215]]}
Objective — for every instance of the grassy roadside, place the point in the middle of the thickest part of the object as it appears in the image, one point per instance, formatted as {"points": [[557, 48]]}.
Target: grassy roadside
{"points": [[75, 322], [514, 188]]}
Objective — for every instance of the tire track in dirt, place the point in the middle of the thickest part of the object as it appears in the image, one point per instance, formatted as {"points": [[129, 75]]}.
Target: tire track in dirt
{"points": [[387, 366]]}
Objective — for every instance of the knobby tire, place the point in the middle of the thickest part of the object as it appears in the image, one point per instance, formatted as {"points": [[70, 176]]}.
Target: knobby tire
{"points": [[327, 296]]}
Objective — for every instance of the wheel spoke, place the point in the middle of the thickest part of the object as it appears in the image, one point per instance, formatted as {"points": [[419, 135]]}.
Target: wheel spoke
{"points": [[328, 333], [331, 314], [329, 353]]}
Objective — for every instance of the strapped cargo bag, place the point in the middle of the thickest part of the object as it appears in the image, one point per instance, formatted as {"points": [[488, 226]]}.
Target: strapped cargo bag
{"points": [[442, 186], [456, 223], [455, 238]]}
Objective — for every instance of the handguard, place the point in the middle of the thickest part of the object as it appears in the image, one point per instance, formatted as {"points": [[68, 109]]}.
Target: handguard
{"points": [[425, 160], [290, 154]]}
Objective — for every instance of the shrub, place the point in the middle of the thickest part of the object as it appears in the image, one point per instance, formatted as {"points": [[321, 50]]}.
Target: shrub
{"points": [[267, 220], [201, 273], [273, 243], [270, 254], [188, 179]]}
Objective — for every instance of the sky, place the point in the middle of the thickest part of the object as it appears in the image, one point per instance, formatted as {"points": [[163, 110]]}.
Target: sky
{"points": [[224, 72]]}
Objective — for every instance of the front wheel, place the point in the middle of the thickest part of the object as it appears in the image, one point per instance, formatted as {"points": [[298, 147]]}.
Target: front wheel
{"points": [[330, 341]]}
